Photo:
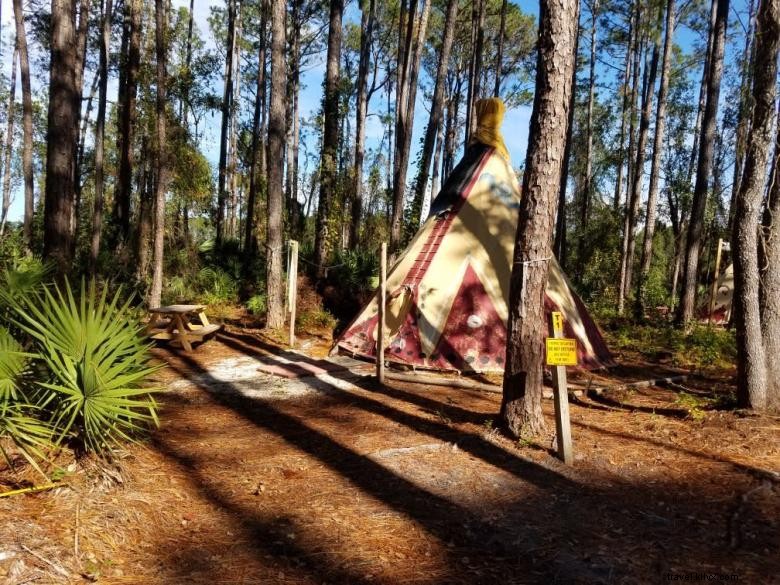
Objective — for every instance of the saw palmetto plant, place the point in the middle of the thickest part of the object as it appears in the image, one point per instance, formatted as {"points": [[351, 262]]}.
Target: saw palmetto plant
{"points": [[18, 422], [97, 363]]}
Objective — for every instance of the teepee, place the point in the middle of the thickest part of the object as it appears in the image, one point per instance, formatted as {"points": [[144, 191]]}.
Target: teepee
{"points": [[721, 306], [448, 291]]}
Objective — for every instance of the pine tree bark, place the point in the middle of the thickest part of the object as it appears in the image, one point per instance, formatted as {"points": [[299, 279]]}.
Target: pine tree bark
{"points": [[258, 144], [559, 244], [161, 25], [770, 282], [146, 183], [100, 124], [9, 142], [639, 166], [627, 66], [702, 92], [752, 374], [293, 128], [185, 101], [655, 165], [451, 131], [475, 67], [367, 19], [227, 107], [407, 92], [588, 178], [436, 110], [521, 407], [81, 143], [437, 162], [709, 122], [27, 125], [328, 160], [635, 183], [79, 138], [743, 114], [500, 49], [128, 90], [635, 68], [61, 149], [276, 139], [235, 101]]}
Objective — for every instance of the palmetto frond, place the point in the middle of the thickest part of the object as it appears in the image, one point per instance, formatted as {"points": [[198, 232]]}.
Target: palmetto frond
{"points": [[98, 363]]}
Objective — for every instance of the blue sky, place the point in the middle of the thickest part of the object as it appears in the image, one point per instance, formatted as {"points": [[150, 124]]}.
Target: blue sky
{"points": [[516, 122]]}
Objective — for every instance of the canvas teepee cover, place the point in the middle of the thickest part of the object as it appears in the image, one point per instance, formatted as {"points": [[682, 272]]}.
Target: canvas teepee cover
{"points": [[448, 291], [724, 292]]}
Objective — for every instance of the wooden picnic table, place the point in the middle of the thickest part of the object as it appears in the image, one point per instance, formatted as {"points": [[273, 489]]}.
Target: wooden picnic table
{"points": [[177, 325]]}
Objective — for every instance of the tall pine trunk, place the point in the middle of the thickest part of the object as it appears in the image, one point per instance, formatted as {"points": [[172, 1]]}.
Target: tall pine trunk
{"points": [[752, 374], [100, 123], [436, 111], [27, 125], [475, 64], [328, 160], [146, 185], [770, 280], [293, 128], [635, 68], [743, 113], [9, 143], [258, 145], [690, 273], [521, 407], [64, 101], [500, 49], [639, 166], [559, 243], [79, 138], [276, 138], [367, 18], [624, 112], [437, 163], [128, 90], [235, 101], [416, 27], [588, 178], [655, 165], [227, 108], [162, 154]]}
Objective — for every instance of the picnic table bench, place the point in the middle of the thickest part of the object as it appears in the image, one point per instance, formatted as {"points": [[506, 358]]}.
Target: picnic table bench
{"points": [[176, 324]]}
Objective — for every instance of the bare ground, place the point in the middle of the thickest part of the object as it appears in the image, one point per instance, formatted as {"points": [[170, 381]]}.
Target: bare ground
{"points": [[334, 479]]}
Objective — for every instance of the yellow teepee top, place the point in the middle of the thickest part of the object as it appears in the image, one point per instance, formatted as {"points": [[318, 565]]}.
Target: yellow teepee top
{"points": [[490, 115]]}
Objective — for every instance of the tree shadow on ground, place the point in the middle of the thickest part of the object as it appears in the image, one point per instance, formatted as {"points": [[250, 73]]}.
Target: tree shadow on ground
{"points": [[559, 527]]}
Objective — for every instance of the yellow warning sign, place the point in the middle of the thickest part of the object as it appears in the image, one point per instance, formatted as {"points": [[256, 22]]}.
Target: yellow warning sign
{"points": [[561, 352], [557, 320]]}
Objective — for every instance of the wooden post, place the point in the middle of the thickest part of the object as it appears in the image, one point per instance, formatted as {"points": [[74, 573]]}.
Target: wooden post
{"points": [[715, 281], [292, 287], [561, 398], [380, 331]]}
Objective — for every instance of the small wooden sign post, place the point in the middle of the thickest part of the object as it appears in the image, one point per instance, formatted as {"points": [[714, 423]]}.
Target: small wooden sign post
{"points": [[292, 287], [380, 330], [561, 353]]}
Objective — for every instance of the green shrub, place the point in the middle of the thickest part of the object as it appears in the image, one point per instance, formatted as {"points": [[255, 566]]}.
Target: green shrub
{"points": [[17, 424], [13, 366], [218, 286], [355, 271], [19, 280], [257, 304], [319, 318], [97, 364]]}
